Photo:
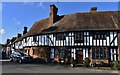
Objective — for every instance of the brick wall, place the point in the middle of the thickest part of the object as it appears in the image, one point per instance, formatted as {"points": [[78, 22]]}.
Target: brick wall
{"points": [[53, 14], [119, 46]]}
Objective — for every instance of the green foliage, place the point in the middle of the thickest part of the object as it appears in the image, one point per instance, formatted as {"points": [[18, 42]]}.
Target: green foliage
{"points": [[115, 65], [86, 62], [72, 61]]}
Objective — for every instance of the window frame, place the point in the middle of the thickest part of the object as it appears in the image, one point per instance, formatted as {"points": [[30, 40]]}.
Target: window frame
{"points": [[79, 37], [99, 53]]}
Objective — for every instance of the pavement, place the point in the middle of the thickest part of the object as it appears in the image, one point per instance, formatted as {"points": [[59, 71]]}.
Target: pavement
{"points": [[14, 67]]}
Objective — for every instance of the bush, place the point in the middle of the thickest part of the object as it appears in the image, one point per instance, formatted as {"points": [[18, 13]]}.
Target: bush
{"points": [[87, 62], [115, 65], [72, 63]]}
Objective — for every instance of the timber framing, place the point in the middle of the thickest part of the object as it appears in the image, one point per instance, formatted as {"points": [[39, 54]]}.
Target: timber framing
{"points": [[76, 36]]}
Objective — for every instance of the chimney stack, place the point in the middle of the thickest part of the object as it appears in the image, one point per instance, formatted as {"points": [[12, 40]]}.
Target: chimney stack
{"points": [[25, 30], [93, 9], [53, 14], [19, 35], [8, 40]]}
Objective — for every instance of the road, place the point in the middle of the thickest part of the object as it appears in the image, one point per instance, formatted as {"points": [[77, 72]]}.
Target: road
{"points": [[13, 67]]}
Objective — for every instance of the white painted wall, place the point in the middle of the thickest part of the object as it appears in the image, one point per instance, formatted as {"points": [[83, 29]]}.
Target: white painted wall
{"points": [[67, 41]]}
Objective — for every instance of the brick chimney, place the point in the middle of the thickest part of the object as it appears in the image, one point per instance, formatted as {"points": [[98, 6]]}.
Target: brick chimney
{"points": [[93, 9], [8, 40], [25, 30], [19, 35], [53, 14]]}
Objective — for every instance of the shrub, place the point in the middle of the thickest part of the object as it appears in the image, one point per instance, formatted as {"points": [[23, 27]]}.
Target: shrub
{"points": [[87, 62], [115, 65], [72, 63]]}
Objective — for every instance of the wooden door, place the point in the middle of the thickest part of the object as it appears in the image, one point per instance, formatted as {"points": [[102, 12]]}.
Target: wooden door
{"points": [[79, 57]]}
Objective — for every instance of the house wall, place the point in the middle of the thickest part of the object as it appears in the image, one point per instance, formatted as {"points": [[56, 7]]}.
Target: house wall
{"points": [[119, 46], [39, 52], [43, 40], [87, 40]]}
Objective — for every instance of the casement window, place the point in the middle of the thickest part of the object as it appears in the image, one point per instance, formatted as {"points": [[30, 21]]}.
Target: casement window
{"points": [[62, 54], [56, 53], [25, 40], [34, 38], [78, 37], [99, 53], [60, 36], [20, 43], [99, 35], [68, 53], [36, 52]]}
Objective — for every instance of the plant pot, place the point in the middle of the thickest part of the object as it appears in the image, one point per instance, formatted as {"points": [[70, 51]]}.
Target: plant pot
{"points": [[72, 65]]}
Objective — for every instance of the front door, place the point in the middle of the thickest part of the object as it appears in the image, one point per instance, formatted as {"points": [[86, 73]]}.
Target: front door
{"points": [[79, 57]]}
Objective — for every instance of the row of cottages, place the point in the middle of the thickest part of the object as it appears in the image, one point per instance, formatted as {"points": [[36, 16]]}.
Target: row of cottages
{"points": [[88, 34]]}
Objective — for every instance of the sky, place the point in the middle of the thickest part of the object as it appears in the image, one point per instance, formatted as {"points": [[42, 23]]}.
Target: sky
{"points": [[16, 15]]}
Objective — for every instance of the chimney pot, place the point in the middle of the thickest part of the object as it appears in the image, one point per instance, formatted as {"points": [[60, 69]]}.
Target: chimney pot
{"points": [[93, 9], [19, 35], [25, 30]]}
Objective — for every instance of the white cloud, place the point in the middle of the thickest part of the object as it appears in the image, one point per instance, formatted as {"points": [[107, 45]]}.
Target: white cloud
{"points": [[28, 3], [2, 31], [40, 4], [16, 21], [36, 4]]}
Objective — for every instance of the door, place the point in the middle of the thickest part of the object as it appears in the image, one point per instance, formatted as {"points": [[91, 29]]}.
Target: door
{"points": [[79, 57]]}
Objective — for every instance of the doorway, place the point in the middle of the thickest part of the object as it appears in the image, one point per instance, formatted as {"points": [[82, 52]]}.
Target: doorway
{"points": [[79, 57]]}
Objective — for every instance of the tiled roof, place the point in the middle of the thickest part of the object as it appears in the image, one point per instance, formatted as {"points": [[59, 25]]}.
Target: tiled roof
{"points": [[87, 21]]}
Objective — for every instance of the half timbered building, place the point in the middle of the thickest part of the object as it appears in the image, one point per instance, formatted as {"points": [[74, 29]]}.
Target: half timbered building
{"points": [[59, 38]]}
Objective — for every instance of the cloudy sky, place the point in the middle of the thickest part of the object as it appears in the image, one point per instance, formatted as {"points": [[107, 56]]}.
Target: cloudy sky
{"points": [[16, 15]]}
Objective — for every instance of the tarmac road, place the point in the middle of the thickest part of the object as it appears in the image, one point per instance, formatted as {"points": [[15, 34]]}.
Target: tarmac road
{"points": [[14, 67]]}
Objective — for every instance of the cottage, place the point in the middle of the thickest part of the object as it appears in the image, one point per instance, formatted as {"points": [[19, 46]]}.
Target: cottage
{"points": [[59, 38]]}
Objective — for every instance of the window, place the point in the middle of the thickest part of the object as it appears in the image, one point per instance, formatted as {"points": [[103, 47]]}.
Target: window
{"points": [[99, 53], [60, 36], [20, 43], [36, 52], [56, 53], [25, 40], [99, 35], [78, 37], [34, 38], [62, 53]]}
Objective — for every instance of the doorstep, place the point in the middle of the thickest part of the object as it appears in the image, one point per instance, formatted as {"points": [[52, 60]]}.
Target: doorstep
{"points": [[79, 65]]}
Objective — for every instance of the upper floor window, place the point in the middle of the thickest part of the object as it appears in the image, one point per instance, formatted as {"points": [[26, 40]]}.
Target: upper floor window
{"points": [[60, 36], [34, 38], [99, 35], [25, 40], [78, 37]]}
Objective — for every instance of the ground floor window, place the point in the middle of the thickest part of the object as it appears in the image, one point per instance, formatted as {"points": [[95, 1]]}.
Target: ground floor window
{"points": [[62, 52], [99, 52]]}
